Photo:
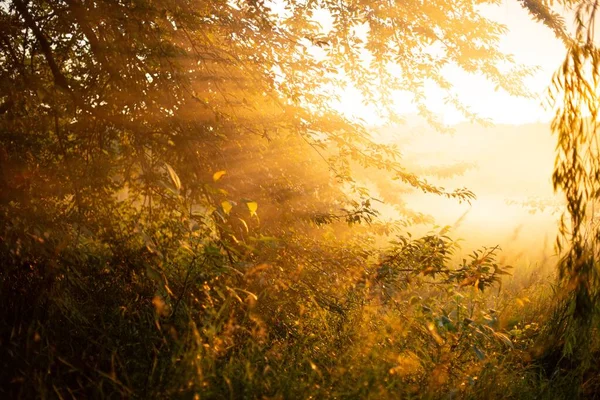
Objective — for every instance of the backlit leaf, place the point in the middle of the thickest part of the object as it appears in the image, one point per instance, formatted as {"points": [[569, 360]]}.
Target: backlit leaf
{"points": [[504, 339], [171, 188], [226, 206], [218, 175], [252, 206], [245, 224], [479, 353], [173, 176]]}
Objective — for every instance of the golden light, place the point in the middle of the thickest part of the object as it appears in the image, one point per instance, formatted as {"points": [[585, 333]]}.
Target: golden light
{"points": [[531, 44]]}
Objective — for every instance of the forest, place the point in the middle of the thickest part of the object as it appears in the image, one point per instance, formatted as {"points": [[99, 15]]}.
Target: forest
{"points": [[191, 208]]}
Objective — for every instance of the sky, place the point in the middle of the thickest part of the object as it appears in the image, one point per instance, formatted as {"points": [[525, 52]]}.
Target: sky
{"points": [[530, 42], [511, 166], [513, 160]]}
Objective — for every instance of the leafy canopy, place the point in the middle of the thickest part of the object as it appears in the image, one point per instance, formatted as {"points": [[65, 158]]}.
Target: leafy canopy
{"points": [[183, 156]]}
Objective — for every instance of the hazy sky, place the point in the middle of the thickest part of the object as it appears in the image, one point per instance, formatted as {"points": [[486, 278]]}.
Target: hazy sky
{"points": [[510, 174], [530, 42], [512, 163], [513, 160]]}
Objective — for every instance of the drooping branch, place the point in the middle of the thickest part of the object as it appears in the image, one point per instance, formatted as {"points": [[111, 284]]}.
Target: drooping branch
{"points": [[96, 44], [574, 96], [59, 79], [544, 14]]}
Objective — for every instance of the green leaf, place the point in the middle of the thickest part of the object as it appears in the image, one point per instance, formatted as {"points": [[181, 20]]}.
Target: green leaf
{"points": [[479, 353], [153, 274], [185, 246]]}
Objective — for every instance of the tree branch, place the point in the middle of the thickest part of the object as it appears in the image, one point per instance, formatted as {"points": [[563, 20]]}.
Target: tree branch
{"points": [[59, 78]]}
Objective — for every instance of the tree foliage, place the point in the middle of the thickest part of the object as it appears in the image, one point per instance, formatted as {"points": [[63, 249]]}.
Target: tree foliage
{"points": [[173, 177], [573, 95]]}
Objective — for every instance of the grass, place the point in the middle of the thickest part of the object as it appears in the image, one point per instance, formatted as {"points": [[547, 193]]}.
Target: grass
{"points": [[104, 326]]}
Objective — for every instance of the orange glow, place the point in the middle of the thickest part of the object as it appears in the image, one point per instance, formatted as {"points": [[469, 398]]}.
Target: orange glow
{"points": [[531, 44]]}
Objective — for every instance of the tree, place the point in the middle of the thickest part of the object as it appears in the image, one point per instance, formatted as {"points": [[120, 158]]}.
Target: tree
{"points": [[144, 139], [573, 95]]}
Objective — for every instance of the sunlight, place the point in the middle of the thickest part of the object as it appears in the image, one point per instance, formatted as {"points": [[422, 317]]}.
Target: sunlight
{"points": [[475, 91], [296, 199], [529, 42]]}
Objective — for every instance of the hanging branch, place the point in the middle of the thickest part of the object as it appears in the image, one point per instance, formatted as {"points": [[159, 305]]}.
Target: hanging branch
{"points": [[574, 96], [59, 78]]}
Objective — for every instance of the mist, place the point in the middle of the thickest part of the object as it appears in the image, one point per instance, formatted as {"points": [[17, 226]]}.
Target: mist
{"points": [[508, 167]]}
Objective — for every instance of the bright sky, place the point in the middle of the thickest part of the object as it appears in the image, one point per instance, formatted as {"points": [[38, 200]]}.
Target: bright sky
{"points": [[489, 220], [530, 42]]}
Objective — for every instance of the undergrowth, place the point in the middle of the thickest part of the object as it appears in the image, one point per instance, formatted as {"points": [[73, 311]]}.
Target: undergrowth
{"points": [[121, 318]]}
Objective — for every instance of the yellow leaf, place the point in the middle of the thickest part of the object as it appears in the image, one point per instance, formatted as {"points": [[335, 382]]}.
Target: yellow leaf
{"points": [[169, 291], [504, 339], [252, 206], [218, 175], [245, 224], [186, 247], [226, 206], [407, 364], [436, 336], [173, 176]]}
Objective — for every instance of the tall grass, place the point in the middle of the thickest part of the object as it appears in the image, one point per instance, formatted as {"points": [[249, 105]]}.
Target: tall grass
{"points": [[113, 321]]}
